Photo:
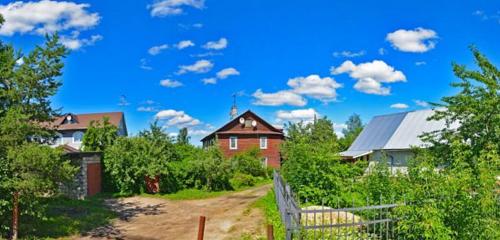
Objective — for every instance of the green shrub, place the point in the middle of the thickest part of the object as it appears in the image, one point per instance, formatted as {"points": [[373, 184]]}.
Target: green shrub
{"points": [[129, 160], [211, 171], [248, 162], [242, 180]]}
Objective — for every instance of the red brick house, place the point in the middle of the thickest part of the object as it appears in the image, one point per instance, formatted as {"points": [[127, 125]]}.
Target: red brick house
{"points": [[247, 131]]}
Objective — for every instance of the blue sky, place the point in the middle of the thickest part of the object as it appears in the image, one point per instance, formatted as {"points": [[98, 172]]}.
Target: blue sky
{"points": [[182, 60]]}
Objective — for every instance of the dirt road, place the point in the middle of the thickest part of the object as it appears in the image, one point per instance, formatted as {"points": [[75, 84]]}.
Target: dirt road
{"points": [[228, 217]]}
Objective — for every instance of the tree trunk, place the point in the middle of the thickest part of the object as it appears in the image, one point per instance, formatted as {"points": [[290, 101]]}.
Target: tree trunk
{"points": [[15, 215]]}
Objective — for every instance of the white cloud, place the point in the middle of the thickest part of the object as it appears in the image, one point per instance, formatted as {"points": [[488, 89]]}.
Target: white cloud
{"points": [[169, 83], [399, 106], [226, 72], [382, 51], [216, 45], [189, 26], [74, 43], [184, 44], [207, 54], [420, 63], [484, 16], [371, 75], [175, 118], [173, 7], [145, 65], [279, 98], [200, 66], [421, 103], [155, 50], [147, 109], [417, 40], [198, 132], [349, 54], [209, 81], [305, 115], [314, 86], [46, 16]]}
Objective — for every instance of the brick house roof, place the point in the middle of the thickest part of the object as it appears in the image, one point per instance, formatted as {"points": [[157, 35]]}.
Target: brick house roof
{"points": [[225, 129], [82, 121]]}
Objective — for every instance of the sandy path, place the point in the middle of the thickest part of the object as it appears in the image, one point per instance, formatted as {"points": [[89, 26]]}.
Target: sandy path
{"points": [[228, 217]]}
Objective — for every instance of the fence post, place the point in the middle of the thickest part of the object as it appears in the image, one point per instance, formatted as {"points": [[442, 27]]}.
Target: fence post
{"points": [[201, 228], [270, 232]]}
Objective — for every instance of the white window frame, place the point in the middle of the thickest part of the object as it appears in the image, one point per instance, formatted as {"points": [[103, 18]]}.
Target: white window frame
{"points": [[261, 141], [235, 138], [73, 136]]}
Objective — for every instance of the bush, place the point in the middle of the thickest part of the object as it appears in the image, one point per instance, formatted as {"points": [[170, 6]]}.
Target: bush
{"points": [[129, 160], [242, 180], [211, 171], [249, 163]]}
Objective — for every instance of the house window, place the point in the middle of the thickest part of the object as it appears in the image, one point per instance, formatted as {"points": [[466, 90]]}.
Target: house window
{"points": [[263, 142], [77, 137], [233, 142], [264, 162]]}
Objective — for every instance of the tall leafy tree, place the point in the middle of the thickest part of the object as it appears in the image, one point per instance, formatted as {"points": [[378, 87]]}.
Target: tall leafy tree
{"points": [[25, 90], [460, 201], [183, 136], [354, 126]]}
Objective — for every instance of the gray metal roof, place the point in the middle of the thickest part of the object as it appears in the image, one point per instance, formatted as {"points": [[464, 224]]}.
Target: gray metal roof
{"points": [[394, 131]]}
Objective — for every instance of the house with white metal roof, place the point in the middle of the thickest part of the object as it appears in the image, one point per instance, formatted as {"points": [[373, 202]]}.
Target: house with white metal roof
{"points": [[393, 135]]}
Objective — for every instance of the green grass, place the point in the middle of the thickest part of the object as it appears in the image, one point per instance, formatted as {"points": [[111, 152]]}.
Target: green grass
{"points": [[67, 217], [192, 194], [268, 205]]}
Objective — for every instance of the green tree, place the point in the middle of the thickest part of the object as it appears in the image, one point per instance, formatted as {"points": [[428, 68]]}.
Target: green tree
{"points": [[99, 135], [25, 91], [312, 166], [183, 137], [351, 132], [460, 200], [129, 160]]}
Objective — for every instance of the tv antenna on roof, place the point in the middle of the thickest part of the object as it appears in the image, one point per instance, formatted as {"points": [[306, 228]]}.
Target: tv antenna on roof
{"points": [[234, 109]]}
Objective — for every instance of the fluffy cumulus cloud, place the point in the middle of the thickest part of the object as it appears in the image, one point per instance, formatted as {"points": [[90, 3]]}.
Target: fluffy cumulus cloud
{"points": [[216, 45], [174, 118], [46, 16], [305, 115], [162, 8], [226, 72], [314, 86], [349, 54], [169, 83], [200, 66], [73, 42], [278, 98], [323, 89], [155, 50], [418, 40], [184, 44], [371, 75], [399, 106]]}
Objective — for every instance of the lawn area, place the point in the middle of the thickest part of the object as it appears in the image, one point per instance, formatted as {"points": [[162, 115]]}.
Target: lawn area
{"points": [[67, 217], [192, 194], [268, 206]]}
